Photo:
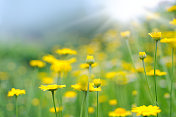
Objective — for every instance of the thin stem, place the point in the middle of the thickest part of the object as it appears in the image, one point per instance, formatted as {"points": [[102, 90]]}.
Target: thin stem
{"points": [[87, 114], [156, 98], [82, 105], [16, 105], [97, 104], [172, 81], [147, 81], [54, 102]]}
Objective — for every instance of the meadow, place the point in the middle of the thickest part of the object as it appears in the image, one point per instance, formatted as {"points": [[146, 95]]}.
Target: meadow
{"points": [[121, 72]]}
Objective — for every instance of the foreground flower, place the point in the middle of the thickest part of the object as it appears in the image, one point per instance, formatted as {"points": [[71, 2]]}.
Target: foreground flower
{"points": [[51, 87], [146, 110], [155, 35], [97, 82], [37, 63], [16, 92], [119, 112], [157, 73], [90, 60], [66, 51]]}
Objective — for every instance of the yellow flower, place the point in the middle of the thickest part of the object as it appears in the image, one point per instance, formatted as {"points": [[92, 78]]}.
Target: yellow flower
{"points": [[37, 63], [119, 112], [134, 92], [58, 109], [90, 60], [155, 35], [91, 110], [170, 41], [70, 94], [97, 82], [66, 51], [125, 34], [51, 87], [86, 66], [172, 8], [16, 92], [49, 58], [173, 22], [146, 110], [111, 75], [83, 87], [47, 80], [142, 55], [157, 73], [61, 66], [113, 102]]}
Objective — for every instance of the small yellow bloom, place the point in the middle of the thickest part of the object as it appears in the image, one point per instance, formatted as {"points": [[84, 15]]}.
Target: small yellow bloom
{"points": [[91, 110], [111, 75], [66, 51], [119, 112], [157, 73], [70, 94], [134, 92], [142, 55], [83, 87], [155, 35], [173, 22], [146, 110], [90, 60], [86, 66], [47, 80], [51, 87], [113, 102], [37, 63], [49, 58], [16, 92], [125, 34], [58, 109], [97, 82]]}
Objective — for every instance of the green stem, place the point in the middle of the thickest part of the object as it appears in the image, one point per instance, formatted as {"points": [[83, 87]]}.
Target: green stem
{"points": [[156, 98], [54, 102], [83, 102], [16, 105], [147, 81], [172, 81], [97, 104], [87, 98]]}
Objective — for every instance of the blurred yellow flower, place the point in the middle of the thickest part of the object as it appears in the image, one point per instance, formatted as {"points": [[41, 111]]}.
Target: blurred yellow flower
{"points": [[146, 110], [37, 63], [167, 95], [80, 87], [49, 58], [66, 51], [91, 110], [97, 82], [58, 109], [16, 92], [157, 73], [111, 75], [47, 80], [70, 94], [119, 112], [125, 34], [172, 8], [170, 41], [155, 35], [134, 92], [51, 87], [90, 60], [173, 22], [113, 102], [142, 55], [86, 66]]}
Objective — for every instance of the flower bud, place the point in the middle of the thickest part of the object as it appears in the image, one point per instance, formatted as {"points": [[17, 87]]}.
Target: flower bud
{"points": [[90, 60]]}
